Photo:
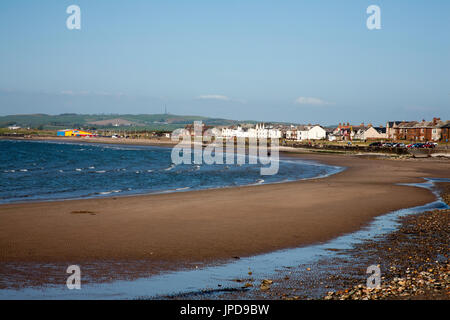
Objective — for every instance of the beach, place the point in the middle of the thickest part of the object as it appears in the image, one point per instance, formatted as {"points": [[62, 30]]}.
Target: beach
{"points": [[412, 258], [219, 224], [135, 236]]}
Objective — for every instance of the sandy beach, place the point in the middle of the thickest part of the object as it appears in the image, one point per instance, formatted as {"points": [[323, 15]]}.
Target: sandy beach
{"points": [[413, 261], [211, 225]]}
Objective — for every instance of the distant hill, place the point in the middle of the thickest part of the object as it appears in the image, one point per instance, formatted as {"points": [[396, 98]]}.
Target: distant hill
{"points": [[161, 122]]}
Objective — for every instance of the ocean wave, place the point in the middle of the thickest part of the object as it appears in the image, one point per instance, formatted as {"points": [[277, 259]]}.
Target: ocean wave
{"points": [[108, 192], [180, 189], [123, 167], [170, 168]]}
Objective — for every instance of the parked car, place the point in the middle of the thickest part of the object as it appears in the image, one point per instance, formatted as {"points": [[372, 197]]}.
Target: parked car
{"points": [[376, 144], [429, 145], [416, 145]]}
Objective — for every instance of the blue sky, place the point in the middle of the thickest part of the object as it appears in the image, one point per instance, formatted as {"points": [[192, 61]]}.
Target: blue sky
{"points": [[299, 61]]}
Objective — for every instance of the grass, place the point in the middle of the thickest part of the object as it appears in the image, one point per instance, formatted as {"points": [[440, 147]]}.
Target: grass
{"points": [[34, 132], [167, 122]]}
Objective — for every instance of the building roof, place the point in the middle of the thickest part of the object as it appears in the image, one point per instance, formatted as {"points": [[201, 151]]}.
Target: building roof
{"points": [[396, 123], [380, 129], [407, 124], [421, 124], [445, 124]]}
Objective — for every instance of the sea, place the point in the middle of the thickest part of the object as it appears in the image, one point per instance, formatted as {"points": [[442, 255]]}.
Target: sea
{"points": [[49, 170]]}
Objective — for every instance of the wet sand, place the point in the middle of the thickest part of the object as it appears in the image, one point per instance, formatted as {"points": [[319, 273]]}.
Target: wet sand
{"points": [[413, 260], [212, 225]]}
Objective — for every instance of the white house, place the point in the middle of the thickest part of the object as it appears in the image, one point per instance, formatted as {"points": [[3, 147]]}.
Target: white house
{"points": [[291, 134], [274, 133], [302, 133], [370, 133], [317, 133], [311, 133], [230, 132], [259, 131], [332, 137]]}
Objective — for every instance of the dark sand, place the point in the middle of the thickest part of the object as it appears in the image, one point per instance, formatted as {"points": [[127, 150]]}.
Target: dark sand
{"points": [[413, 260], [216, 224]]}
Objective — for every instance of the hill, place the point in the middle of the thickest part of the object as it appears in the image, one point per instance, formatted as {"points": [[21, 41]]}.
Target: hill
{"points": [[160, 122]]}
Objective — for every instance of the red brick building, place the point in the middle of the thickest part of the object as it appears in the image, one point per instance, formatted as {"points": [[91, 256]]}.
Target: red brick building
{"points": [[415, 131], [445, 132]]}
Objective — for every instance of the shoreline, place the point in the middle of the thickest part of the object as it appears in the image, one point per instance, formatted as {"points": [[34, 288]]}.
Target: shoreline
{"points": [[284, 156], [329, 267], [172, 231], [412, 256]]}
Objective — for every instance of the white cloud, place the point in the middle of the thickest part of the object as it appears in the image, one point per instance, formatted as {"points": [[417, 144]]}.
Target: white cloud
{"points": [[214, 97], [311, 101]]}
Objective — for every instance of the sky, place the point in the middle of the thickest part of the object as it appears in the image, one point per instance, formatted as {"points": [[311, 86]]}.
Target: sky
{"points": [[300, 61]]}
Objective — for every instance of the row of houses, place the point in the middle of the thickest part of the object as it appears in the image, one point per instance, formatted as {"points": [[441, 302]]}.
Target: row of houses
{"points": [[420, 131], [259, 131], [346, 131], [435, 130], [262, 130]]}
